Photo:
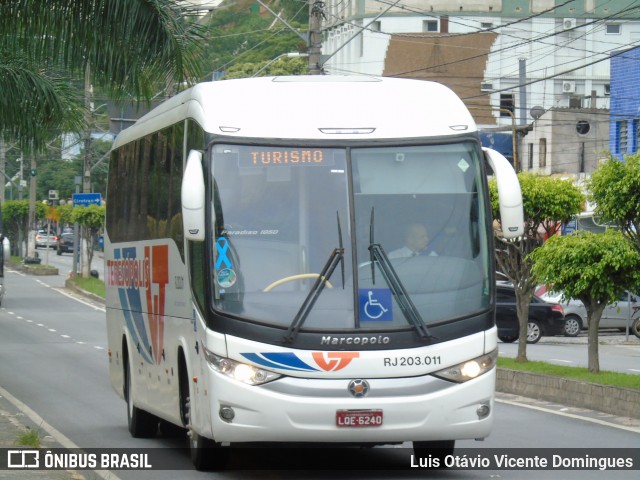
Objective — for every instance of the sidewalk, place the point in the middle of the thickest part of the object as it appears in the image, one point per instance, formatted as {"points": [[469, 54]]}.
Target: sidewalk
{"points": [[14, 423]]}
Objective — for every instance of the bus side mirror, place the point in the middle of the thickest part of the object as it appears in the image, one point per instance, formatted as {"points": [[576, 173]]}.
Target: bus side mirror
{"points": [[509, 194], [193, 198]]}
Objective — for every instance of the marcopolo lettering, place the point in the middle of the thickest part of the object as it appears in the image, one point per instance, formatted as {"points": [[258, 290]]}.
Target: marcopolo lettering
{"points": [[360, 340]]}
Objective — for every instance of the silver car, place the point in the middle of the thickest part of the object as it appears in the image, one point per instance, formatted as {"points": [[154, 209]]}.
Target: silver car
{"points": [[615, 315], [43, 240]]}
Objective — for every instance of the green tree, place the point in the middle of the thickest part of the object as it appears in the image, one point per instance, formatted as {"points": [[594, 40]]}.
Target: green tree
{"points": [[593, 268], [55, 173], [131, 47], [283, 66], [240, 34], [15, 220], [615, 189], [91, 219], [65, 213], [547, 202]]}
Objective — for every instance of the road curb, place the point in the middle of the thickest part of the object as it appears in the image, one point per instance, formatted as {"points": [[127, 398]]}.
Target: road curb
{"points": [[71, 285], [602, 398]]}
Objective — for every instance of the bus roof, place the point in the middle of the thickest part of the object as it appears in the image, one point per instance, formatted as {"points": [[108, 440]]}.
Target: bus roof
{"points": [[313, 107]]}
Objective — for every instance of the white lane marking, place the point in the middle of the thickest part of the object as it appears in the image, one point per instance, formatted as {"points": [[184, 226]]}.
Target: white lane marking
{"points": [[61, 438], [65, 336], [560, 360], [95, 307], [98, 348], [52, 329], [570, 415]]}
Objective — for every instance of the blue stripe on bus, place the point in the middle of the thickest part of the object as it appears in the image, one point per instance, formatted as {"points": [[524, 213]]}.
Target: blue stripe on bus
{"points": [[135, 322], [281, 360]]}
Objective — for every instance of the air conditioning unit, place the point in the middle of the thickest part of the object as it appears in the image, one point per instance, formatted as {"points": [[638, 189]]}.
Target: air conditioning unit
{"points": [[568, 23], [568, 87], [486, 87]]}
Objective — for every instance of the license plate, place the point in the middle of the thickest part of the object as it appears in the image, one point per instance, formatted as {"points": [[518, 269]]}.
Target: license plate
{"points": [[358, 418]]}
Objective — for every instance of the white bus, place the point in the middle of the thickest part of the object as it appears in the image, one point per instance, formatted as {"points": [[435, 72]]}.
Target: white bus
{"points": [[250, 294]]}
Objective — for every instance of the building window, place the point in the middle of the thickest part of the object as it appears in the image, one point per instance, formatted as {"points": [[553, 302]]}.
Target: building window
{"points": [[530, 156], [636, 135], [613, 28], [575, 101], [543, 153], [429, 25], [622, 136], [486, 25], [506, 103], [375, 26], [607, 89]]}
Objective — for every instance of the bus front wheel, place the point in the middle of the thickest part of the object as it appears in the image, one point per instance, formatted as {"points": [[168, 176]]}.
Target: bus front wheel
{"points": [[206, 454]]}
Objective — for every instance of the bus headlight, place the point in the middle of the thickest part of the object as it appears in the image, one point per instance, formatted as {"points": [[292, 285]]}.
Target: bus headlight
{"points": [[240, 372], [470, 369]]}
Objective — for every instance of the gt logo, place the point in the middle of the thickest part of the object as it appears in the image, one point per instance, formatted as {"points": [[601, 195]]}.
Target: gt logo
{"points": [[335, 360]]}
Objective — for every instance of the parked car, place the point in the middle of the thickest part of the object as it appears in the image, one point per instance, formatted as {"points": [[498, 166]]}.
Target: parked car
{"points": [[545, 318], [65, 243], [615, 315], [41, 239]]}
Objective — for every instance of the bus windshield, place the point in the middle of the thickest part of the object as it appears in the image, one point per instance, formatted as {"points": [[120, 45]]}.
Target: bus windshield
{"points": [[380, 238]]}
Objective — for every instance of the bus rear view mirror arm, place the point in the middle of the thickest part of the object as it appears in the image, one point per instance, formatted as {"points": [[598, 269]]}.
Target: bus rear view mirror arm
{"points": [[509, 194], [193, 198]]}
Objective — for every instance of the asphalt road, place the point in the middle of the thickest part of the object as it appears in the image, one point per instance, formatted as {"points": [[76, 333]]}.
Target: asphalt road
{"points": [[53, 359], [64, 262]]}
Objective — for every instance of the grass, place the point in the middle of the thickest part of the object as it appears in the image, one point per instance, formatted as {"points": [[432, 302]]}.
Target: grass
{"points": [[91, 285], [30, 438], [615, 379]]}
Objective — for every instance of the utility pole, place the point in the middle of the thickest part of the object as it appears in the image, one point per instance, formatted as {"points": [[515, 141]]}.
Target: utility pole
{"points": [[316, 15], [3, 160], [86, 168], [522, 76], [31, 243], [88, 123]]}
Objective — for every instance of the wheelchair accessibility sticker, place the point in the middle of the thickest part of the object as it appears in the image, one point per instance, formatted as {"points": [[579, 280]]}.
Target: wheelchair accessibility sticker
{"points": [[375, 304]]}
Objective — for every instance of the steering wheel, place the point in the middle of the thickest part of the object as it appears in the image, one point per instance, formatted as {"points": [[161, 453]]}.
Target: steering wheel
{"points": [[292, 278]]}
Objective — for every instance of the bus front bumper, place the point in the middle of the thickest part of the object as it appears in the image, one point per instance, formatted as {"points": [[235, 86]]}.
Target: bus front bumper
{"points": [[306, 410]]}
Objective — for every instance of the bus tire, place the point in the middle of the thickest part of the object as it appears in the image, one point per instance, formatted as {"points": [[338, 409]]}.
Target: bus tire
{"points": [[206, 454], [141, 424], [435, 450]]}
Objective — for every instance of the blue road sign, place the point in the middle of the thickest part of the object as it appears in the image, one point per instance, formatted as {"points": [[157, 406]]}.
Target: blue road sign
{"points": [[86, 199]]}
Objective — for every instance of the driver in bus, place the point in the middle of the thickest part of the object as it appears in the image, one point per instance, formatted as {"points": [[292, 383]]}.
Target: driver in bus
{"points": [[416, 243]]}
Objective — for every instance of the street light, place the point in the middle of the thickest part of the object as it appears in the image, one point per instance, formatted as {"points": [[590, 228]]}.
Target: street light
{"points": [[290, 55]]}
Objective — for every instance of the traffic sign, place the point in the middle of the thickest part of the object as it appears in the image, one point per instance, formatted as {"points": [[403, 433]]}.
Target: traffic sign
{"points": [[86, 199]]}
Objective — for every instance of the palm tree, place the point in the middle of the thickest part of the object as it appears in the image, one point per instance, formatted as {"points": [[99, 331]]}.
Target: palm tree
{"points": [[131, 46]]}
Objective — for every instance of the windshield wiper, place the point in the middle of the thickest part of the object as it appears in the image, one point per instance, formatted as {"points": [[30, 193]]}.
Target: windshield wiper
{"points": [[411, 313], [337, 256]]}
